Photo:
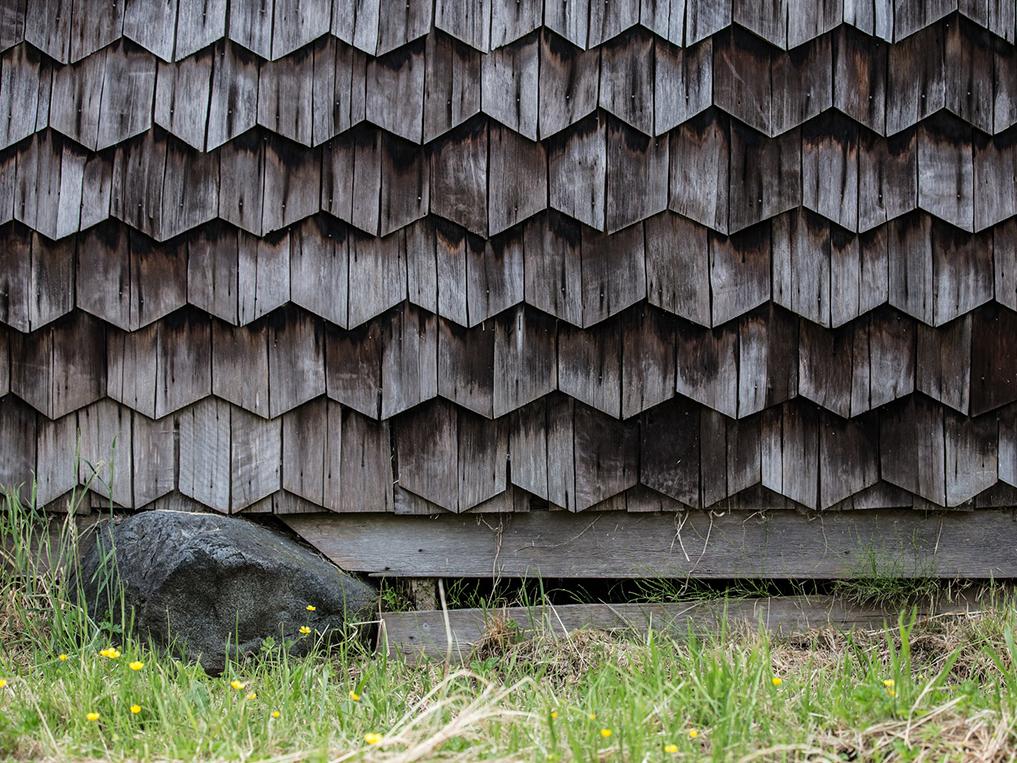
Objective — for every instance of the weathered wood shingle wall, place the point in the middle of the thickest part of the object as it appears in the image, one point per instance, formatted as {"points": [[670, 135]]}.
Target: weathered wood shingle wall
{"points": [[430, 255]]}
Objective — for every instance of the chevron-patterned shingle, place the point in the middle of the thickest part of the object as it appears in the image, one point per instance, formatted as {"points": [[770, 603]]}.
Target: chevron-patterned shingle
{"points": [[465, 255]]}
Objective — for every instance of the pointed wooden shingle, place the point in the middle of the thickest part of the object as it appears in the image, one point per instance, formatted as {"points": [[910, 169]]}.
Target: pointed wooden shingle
{"points": [[48, 193], [495, 276], [204, 436], [285, 96], [60, 367], [152, 25], [36, 280], [683, 84], [509, 86], [700, 155], [648, 359], [767, 360], [235, 276], [946, 173], [705, 360], [993, 363], [17, 445], [936, 272], [466, 20], [577, 170], [678, 267], [739, 272], [240, 365], [634, 161], [199, 24], [590, 365], [163, 367], [627, 78], [459, 166], [25, 82], [518, 179], [255, 458], [298, 22], [320, 268], [943, 362], [569, 84], [765, 175], [395, 91], [912, 448], [338, 90], [182, 98], [152, 278], [848, 458], [452, 85], [513, 19]]}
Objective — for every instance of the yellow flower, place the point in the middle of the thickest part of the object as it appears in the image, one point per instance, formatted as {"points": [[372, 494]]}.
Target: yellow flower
{"points": [[776, 680], [135, 709], [891, 692], [592, 716], [354, 696], [889, 683], [276, 713], [93, 717], [671, 749], [304, 630], [3, 683], [554, 715], [110, 653], [693, 733], [63, 657], [605, 733], [372, 738], [136, 665], [252, 695], [311, 608], [237, 685]]}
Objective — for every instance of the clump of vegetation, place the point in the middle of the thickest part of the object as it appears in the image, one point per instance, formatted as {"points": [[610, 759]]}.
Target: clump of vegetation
{"points": [[73, 689], [890, 582]]}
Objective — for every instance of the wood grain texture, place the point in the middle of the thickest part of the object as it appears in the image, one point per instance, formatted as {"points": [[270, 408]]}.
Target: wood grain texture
{"points": [[775, 544], [423, 634]]}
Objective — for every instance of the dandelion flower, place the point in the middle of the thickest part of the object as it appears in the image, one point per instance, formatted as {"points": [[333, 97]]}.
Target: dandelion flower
{"points": [[237, 685], [304, 630], [554, 715], [136, 665], [3, 683], [311, 608], [776, 680], [63, 657], [372, 738], [671, 749], [354, 696], [889, 683], [252, 695], [693, 733], [606, 733], [110, 653], [93, 717], [135, 709], [276, 713]]}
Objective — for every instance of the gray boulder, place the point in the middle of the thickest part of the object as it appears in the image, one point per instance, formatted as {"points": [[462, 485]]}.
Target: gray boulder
{"points": [[205, 585]]}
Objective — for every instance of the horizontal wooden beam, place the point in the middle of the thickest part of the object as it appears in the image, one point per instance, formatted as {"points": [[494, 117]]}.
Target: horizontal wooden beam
{"points": [[424, 634], [778, 544]]}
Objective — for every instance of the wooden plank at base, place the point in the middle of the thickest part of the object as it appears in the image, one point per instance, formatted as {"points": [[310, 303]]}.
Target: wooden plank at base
{"points": [[775, 544], [424, 634]]}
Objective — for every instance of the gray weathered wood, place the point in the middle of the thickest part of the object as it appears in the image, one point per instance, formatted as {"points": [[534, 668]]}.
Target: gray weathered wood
{"points": [[423, 634], [775, 544]]}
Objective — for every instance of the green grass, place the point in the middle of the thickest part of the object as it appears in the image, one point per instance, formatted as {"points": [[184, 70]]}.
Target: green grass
{"points": [[954, 692]]}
